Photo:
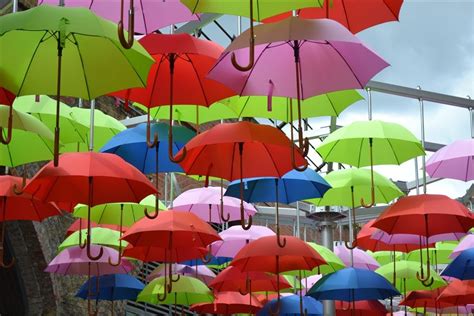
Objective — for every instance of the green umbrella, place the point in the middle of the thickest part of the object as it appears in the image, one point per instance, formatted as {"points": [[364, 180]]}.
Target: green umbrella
{"points": [[405, 276], [82, 48], [370, 143], [45, 110], [101, 236], [440, 253], [32, 141], [293, 281], [331, 104], [185, 291], [385, 257]]}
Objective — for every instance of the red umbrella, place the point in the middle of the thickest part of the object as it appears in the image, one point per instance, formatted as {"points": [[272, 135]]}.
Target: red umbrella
{"points": [[355, 15], [425, 215], [362, 308], [92, 179], [240, 150], [20, 207], [458, 293], [178, 76], [227, 303], [6, 97], [425, 299], [80, 223], [152, 253], [266, 255]]}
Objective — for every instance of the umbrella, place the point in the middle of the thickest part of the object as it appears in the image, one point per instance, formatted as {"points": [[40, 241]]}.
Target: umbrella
{"points": [[200, 272], [453, 161], [333, 262], [112, 287], [210, 205], [425, 299], [355, 15], [458, 293], [245, 150], [154, 253], [462, 267], [100, 236], [384, 257], [214, 262], [88, 178], [227, 303], [90, 61], [33, 140], [425, 215], [356, 258], [324, 47], [362, 308], [465, 243], [6, 97], [186, 291], [439, 252], [292, 305], [19, 207], [178, 76], [235, 238], [79, 223], [370, 143]]}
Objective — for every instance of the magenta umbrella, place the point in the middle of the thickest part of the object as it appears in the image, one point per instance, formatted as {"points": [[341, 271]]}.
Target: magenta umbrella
{"points": [[453, 161], [466, 243], [200, 272], [361, 259], [298, 58], [210, 205], [411, 239], [235, 238]]}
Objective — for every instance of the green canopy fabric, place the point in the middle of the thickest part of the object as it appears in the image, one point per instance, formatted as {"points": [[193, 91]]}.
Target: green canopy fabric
{"points": [[392, 144], [439, 254], [100, 236], [110, 213], [45, 110], [186, 291], [406, 276], [385, 257], [31, 140], [341, 182], [331, 104]]}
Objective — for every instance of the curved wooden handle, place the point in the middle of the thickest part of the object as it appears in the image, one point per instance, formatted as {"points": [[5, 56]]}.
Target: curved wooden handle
{"points": [[127, 44], [149, 143], [8, 139], [251, 47], [89, 253]]}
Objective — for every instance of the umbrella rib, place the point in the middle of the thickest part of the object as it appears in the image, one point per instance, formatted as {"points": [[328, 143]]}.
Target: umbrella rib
{"points": [[360, 151], [154, 81], [393, 151], [347, 64], [253, 68], [198, 80], [346, 15], [271, 158], [194, 161], [83, 68], [143, 17], [332, 104]]}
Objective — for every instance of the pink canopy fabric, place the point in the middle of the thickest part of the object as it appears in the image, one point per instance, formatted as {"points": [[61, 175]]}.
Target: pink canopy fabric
{"points": [[74, 260], [453, 161], [206, 204], [308, 282], [200, 272], [362, 260], [150, 15], [411, 239], [466, 243]]}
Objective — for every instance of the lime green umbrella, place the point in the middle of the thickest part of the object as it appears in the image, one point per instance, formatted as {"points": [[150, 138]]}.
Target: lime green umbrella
{"points": [[45, 110], [101, 236], [385, 257], [293, 281], [440, 253], [32, 141], [405, 276], [81, 48], [331, 104], [185, 291]]}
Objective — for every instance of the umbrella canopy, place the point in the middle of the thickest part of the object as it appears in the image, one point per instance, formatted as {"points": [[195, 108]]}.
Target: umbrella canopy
{"points": [[462, 267], [112, 287], [75, 260], [414, 239], [227, 303], [200, 272], [100, 236], [424, 298], [458, 293], [439, 253], [80, 223], [352, 284], [465, 243], [153, 253], [6, 97], [333, 262], [362, 308], [32, 141], [186, 291], [453, 161], [209, 205], [385, 257], [361, 259], [290, 305]]}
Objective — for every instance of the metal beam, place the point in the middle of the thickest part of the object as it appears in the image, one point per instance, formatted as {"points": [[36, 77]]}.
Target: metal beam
{"points": [[193, 26]]}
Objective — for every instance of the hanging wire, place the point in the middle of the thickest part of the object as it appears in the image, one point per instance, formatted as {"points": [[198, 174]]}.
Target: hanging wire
{"points": [[369, 103], [422, 120]]}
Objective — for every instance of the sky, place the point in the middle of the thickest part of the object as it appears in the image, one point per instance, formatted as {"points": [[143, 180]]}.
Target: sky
{"points": [[431, 46]]}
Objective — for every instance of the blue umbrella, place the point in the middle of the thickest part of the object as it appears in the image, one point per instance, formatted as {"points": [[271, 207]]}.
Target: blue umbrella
{"points": [[214, 261], [462, 267], [290, 305], [293, 186], [351, 284]]}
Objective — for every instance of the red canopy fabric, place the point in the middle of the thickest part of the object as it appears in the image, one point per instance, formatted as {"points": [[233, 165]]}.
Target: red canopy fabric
{"points": [[6, 97], [458, 293], [81, 223], [425, 299], [151, 253], [362, 308], [227, 303]]}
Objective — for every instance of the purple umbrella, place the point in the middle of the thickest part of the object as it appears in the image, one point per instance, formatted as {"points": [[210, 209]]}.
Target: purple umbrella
{"points": [[235, 238], [200, 272], [466, 243], [410, 239], [206, 204], [453, 161], [361, 259], [150, 15], [298, 58]]}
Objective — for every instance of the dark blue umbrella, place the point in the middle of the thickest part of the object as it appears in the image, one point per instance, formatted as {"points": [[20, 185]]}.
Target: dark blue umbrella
{"points": [[351, 284], [290, 305], [215, 261], [112, 287], [462, 267]]}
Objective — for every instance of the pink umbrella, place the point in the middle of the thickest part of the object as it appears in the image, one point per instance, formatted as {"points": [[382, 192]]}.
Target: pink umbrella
{"points": [[200, 272], [466, 243], [362, 260], [150, 15], [206, 203], [308, 282], [235, 238], [453, 161], [411, 239]]}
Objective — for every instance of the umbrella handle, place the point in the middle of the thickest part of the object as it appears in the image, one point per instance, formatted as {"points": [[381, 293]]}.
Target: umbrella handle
{"points": [[372, 189], [119, 260], [127, 44], [156, 212], [251, 47], [278, 307], [178, 277], [348, 306], [351, 246], [221, 213], [207, 257], [2, 262], [88, 249], [247, 287], [154, 143], [242, 210], [7, 140], [293, 159], [16, 189], [281, 242]]}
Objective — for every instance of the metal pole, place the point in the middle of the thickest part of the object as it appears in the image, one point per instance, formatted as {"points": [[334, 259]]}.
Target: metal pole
{"points": [[369, 103], [239, 25], [304, 232], [15, 6], [171, 189], [417, 180], [91, 131], [423, 159], [80, 103], [471, 119], [166, 189], [297, 219]]}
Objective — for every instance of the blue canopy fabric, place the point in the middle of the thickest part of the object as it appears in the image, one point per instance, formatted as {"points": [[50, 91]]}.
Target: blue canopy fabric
{"points": [[293, 186], [112, 287], [290, 305], [351, 284], [462, 267], [215, 261], [132, 147]]}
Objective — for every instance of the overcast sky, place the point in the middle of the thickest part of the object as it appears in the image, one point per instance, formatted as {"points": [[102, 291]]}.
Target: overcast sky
{"points": [[432, 46]]}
